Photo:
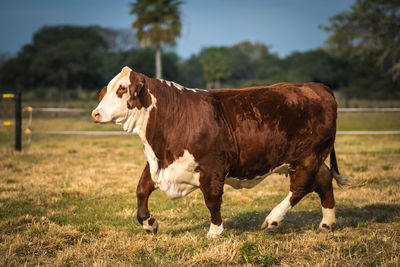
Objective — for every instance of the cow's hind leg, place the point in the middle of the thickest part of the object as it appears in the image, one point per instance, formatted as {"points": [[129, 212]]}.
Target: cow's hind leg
{"points": [[277, 214], [143, 191], [301, 183], [324, 188]]}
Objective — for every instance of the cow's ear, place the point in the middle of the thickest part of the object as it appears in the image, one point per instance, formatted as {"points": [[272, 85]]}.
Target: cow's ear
{"points": [[136, 87], [102, 93]]}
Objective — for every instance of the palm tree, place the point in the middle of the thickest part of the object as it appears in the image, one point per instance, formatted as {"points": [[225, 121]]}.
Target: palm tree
{"points": [[157, 23]]}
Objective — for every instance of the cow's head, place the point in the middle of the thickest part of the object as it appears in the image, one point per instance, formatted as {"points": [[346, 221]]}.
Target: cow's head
{"points": [[120, 98]]}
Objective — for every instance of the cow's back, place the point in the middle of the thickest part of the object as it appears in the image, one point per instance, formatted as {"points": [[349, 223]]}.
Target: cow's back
{"points": [[277, 124]]}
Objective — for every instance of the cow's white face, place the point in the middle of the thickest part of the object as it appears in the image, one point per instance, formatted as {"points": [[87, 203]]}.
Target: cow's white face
{"points": [[113, 99], [126, 101]]}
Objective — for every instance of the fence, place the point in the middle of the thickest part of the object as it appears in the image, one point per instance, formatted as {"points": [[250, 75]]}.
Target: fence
{"points": [[31, 110], [18, 118], [65, 110], [368, 109]]}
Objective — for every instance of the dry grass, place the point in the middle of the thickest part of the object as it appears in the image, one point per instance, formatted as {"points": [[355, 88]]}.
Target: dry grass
{"points": [[69, 200]]}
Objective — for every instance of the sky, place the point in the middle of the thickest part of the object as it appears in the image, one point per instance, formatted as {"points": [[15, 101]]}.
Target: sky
{"points": [[285, 25]]}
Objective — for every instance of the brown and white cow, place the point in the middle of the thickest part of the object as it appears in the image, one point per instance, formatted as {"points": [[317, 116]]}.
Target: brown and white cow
{"points": [[204, 139]]}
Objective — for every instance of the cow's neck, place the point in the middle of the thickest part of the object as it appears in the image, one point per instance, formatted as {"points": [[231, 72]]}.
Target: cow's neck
{"points": [[163, 96], [164, 99], [137, 118]]}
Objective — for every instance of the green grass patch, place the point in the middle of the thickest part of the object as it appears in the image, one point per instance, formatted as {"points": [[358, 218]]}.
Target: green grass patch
{"points": [[251, 255], [386, 167], [20, 206], [368, 121], [72, 151], [10, 181]]}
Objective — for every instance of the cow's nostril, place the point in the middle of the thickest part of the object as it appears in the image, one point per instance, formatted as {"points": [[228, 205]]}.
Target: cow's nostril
{"points": [[96, 116]]}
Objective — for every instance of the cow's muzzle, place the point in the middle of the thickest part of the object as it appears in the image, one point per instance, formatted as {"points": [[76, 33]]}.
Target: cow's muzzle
{"points": [[96, 116]]}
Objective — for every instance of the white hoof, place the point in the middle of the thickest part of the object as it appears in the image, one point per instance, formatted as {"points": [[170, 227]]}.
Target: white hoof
{"points": [[324, 227], [215, 230], [269, 225], [328, 220], [150, 228]]}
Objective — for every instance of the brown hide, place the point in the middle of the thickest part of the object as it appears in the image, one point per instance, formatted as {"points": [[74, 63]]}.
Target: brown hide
{"points": [[240, 132]]}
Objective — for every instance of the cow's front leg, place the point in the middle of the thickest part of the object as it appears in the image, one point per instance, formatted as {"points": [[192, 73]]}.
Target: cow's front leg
{"points": [[212, 190], [145, 186]]}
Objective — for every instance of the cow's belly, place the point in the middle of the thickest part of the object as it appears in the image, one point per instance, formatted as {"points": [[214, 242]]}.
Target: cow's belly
{"points": [[238, 183], [180, 177]]}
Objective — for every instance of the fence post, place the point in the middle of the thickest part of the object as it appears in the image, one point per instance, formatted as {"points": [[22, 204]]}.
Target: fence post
{"points": [[18, 121]]}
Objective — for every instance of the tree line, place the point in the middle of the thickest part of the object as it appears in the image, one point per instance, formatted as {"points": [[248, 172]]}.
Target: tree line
{"points": [[361, 58]]}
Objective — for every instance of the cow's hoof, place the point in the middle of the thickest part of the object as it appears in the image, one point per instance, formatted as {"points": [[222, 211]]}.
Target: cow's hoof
{"points": [[212, 235], [150, 225], [215, 230], [323, 227], [270, 226]]}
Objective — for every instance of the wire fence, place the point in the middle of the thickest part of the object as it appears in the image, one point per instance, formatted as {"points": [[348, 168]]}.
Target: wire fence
{"points": [[31, 110], [125, 133], [57, 109], [81, 110], [339, 109], [368, 109]]}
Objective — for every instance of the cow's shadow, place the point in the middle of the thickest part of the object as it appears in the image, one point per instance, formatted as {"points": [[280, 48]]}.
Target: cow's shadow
{"points": [[300, 221]]}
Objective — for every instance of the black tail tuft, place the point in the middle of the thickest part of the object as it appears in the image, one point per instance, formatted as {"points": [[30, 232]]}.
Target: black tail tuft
{"points": [[341, 180], [334, 166]]}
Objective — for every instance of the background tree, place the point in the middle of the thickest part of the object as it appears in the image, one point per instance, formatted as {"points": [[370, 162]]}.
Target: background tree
{"points": [[157, 23], [370, 29], [67, 56], [312, 66], [366, 43], [191, 73], [140, 59], [255, 64], [4, 57], [60, 57], [63, 59], [216, 64]]}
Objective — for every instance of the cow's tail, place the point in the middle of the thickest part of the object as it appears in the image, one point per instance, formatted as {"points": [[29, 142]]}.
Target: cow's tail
{"points": [[340, 180]]}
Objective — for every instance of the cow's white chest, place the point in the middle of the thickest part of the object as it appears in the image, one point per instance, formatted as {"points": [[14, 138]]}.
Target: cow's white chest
{"points": [[179, 178], [250, 183]]}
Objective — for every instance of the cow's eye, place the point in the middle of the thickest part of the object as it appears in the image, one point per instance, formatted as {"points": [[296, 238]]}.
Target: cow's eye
{"points": [[121, 91]]}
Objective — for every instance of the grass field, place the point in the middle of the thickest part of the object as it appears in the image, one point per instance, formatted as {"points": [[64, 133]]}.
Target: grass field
{"points": [[70, 200]]}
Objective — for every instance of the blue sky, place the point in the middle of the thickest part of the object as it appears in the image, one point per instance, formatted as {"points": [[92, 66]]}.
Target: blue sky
{"points": [[286, 25]]}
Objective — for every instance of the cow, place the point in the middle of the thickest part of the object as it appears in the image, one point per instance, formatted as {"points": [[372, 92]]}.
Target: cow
{"points": [[205, 139]]}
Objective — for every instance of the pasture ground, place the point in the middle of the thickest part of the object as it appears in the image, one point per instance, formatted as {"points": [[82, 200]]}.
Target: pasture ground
{"points": [[70, 200]]}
